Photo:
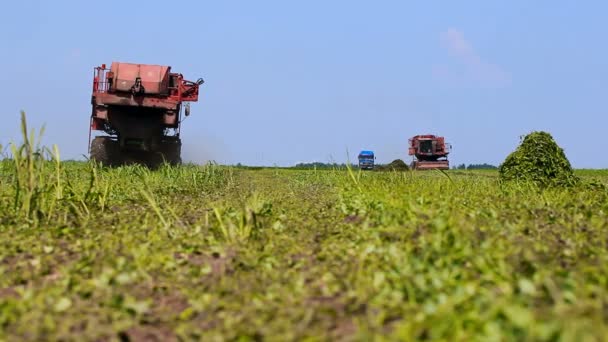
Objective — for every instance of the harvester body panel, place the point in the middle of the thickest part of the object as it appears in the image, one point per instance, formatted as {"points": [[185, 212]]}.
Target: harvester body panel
{"points": [[430, 165], [154, 78]]}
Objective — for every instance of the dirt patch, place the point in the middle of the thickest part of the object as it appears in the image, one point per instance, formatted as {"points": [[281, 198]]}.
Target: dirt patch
{"points": [[219, 264], [148, 333], [354, 219], [344, 330], [9, 293]]}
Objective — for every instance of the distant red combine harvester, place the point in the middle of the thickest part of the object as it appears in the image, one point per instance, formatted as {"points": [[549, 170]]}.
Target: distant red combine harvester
{"points": [[139, 108], [430, 152]]}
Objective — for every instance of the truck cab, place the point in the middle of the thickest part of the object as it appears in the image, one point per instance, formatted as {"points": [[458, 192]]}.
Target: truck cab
{"points": [[366, 160]]}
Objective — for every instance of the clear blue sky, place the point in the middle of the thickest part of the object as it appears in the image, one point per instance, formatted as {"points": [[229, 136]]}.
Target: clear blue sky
{"points": [[291, 81]]}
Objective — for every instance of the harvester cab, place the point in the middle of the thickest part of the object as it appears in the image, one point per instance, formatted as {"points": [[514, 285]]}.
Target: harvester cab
{"points": [[139, 108], [366, 160], [429, 152]]}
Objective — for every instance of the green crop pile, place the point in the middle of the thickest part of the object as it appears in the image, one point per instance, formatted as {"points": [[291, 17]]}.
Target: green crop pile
{"points": [[216, 253], [395, 165], [540, 161]]}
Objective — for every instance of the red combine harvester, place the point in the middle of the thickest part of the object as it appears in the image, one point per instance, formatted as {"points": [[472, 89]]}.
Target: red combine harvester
{"points": [[139, 107], [430, 152]]}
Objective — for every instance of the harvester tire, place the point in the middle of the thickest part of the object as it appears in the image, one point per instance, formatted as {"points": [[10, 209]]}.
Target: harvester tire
{"points": [[171, 152], [106, 151]]}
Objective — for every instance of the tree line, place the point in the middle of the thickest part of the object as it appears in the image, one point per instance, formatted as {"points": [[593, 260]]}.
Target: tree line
{"points": [[483, 166]]}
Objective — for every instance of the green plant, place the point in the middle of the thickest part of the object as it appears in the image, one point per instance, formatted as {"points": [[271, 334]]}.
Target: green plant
{"points": [[217, 253], [539, 161], [33, 191]]}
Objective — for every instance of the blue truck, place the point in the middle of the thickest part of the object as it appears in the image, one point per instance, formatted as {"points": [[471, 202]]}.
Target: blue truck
{"points": [[366, 160]]}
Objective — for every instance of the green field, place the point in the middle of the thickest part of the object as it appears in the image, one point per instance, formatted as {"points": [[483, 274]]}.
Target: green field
{"points": [[218, 253]]}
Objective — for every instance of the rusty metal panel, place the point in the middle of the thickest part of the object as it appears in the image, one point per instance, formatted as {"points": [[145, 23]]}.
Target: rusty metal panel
{"points": [[154, 78], [170, 119], [432, 165], [128, 100], [124, 75], [101, 113]]}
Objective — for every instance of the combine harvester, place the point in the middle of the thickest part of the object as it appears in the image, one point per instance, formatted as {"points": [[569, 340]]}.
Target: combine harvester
{"points": [[139, 108], [430, 152]]}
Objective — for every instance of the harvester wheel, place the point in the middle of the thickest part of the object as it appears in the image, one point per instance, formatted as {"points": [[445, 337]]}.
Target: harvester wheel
{"points": [[171, 152], [105, 151]]}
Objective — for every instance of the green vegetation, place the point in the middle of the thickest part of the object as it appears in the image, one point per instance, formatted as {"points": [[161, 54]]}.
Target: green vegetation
{"points": [[217, 253], [483, 166], [319, 166], [540, 161], [395, 165]]}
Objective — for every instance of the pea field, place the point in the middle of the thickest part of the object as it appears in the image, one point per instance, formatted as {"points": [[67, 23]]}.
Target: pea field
{"points": [[215, 253]]}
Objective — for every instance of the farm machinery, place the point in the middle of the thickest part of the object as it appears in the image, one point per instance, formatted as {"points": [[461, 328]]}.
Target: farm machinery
{"points": [[366, 160], [430, 152], [139, 108]]}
